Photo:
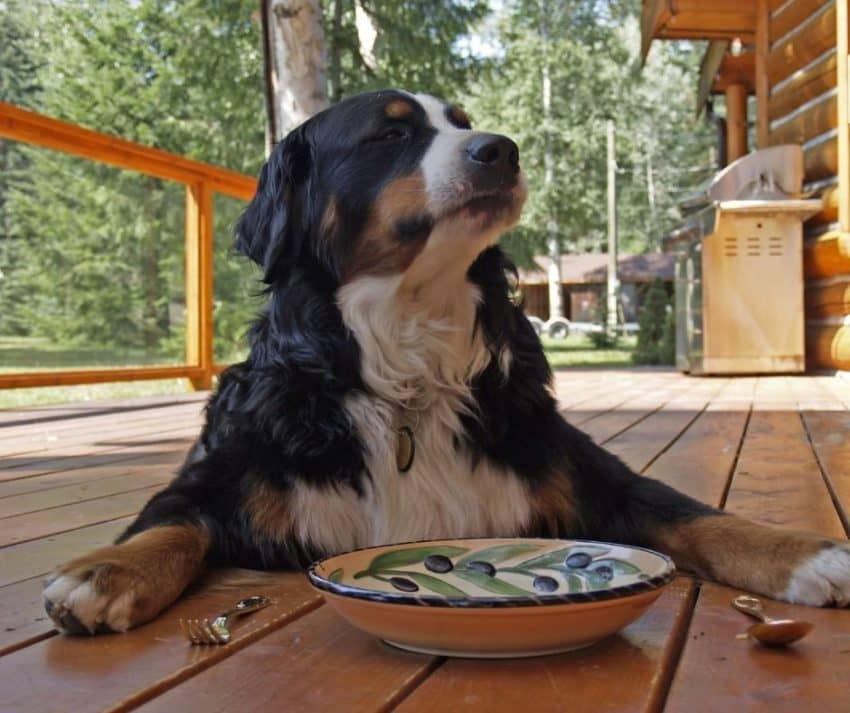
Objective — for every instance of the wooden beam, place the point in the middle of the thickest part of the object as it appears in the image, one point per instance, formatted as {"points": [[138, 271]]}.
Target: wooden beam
{"points": [[708, 70], [821, 159], [72, 377], [805, 44], [762, 83], [828, 298], [649, 16], [791, 14], [842, 36], [803, 85], [736, 121], [827, 256], [806, 123], [29, 127], [829, 211], [199, 283], [828, 345]]}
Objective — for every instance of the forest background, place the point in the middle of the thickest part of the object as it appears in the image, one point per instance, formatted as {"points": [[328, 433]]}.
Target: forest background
{"points": [[91, 257]]}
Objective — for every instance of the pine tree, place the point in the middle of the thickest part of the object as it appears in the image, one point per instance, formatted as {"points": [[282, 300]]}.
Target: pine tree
{"points": [[653, 330]]}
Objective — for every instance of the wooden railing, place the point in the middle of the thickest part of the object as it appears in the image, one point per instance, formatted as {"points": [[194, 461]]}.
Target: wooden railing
{"points": [[201, 180]]}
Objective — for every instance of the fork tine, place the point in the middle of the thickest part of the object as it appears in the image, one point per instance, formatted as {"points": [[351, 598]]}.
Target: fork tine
{"points": [[195, 632]]}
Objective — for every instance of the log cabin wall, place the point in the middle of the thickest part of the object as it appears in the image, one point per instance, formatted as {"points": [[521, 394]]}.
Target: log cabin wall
{"points": [[801, 86]]}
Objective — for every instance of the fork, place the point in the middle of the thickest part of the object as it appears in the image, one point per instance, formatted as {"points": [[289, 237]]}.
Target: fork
{"points": [[204, 631]]}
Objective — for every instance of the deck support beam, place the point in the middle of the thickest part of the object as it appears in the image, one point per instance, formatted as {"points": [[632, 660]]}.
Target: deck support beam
{"points": [[736, 121], [199, 283]]}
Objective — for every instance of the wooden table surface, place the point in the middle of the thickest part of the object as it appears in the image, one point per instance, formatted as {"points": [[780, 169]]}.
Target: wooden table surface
{"points": [[776, 449]]}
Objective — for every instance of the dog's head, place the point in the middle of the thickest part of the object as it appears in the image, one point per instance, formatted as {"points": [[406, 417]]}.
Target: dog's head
{"points": [[382, 183]]}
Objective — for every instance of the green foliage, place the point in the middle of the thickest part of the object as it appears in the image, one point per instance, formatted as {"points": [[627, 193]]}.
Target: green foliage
{"points": [[654, 332], [92, 255], [416, 48], [592, 50]]}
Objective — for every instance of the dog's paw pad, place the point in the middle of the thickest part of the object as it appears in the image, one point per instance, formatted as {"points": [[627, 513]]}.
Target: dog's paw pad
{"points": [[823, 579], [76, 606]]}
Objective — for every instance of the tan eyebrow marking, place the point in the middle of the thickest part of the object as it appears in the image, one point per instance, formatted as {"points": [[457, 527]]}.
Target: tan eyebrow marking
{"points": [[459, 117], [398, 109]]}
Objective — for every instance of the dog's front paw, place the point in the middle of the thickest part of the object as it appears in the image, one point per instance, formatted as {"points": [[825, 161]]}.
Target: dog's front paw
{"points": [[823, 579], [89, 597]]}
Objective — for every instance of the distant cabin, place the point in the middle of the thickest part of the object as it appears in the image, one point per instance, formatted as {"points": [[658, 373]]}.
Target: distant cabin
{"points": [[583, 284]]}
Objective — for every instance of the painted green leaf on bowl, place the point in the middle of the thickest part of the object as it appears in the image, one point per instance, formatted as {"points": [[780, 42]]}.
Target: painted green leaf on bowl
{"points": [[408, 556], [499, 553]]}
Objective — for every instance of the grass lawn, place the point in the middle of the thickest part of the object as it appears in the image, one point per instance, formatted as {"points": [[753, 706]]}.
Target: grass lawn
{"points": [[578, 350], [21, 354]]}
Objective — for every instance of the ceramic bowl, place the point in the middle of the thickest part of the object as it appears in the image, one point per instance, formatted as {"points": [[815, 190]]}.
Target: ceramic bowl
{"points": [[493, 597]]}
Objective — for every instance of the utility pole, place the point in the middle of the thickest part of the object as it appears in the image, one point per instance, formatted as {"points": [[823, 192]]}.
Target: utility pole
{"points": [[613, 281]]}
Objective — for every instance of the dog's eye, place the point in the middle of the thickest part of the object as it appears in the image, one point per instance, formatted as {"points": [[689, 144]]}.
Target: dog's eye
{"points": [[393, 133]]}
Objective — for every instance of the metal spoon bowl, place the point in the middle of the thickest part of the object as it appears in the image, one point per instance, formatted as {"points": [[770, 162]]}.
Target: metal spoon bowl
{"points": [[770, 632]]}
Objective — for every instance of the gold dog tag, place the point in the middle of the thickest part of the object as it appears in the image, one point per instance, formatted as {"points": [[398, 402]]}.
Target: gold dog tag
{"points": [[405, 450]]}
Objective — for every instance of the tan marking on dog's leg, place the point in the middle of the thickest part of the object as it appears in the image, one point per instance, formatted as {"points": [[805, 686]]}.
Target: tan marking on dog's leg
{"points": [[267, 511], [121, 586], [554, 508], [795, 566]]}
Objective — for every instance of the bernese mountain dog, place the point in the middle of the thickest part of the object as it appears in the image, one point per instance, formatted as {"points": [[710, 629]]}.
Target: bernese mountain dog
{"points": [[395, 391]]}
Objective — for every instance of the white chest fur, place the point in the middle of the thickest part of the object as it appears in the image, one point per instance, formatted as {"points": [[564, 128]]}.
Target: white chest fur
{"points": [[417, 366]]}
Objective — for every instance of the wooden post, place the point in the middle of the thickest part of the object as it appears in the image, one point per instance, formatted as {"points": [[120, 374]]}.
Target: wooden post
{"points": [[199, 282], [736, 121], [762, 80], [613, 284], [843, 53]]}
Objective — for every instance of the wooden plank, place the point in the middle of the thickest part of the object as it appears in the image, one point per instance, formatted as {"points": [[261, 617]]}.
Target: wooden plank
{"points": [[23, 125], [639, 445], [23, 620], [199, 282], [808, 42], [827, 255], [73, 377], [763, 82], [602, 428], [39, 438], [813, 121], [829, 211], [81, 492], [86, 454], [38, 557], [35, 525], [829, 432], [829, 298], [820, 160], [792, 14], [293, 666], [120, 671], [717, 672], [142, 466], [802, 86], [828, 346]]}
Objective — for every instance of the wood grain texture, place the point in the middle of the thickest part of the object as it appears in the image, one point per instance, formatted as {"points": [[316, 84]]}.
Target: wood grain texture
{"points": [[827, 256], [810, 39], [115, 672], [828, 346], [315, 664]]}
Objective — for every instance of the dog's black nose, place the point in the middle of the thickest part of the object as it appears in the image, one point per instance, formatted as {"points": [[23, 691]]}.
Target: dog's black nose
{"points": [[493, 150]]}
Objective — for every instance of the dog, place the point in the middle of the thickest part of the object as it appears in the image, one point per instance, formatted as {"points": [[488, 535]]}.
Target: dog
{"points": [[395, 391]]}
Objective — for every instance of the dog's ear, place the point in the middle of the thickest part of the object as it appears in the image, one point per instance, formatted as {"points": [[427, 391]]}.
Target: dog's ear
{"points": [[270, 231]]}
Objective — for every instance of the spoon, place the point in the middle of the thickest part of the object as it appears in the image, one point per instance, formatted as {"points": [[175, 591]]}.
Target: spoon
{"points": [[770, 632]]}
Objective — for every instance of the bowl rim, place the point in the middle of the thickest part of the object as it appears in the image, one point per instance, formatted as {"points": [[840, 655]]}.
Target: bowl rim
{"points": [[532, 600]]}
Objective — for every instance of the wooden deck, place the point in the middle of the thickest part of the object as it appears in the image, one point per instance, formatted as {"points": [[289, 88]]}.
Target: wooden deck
{"points": [[775, 449]]}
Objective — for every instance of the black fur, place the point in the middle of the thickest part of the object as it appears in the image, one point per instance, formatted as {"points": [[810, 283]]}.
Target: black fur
{"points": [[278, 417]]}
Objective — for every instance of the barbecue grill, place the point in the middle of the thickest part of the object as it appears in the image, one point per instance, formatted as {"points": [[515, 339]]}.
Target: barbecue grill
{"points": [[739, 268]]}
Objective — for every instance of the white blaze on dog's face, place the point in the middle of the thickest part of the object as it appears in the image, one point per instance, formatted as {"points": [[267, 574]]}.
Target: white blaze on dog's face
{"points": [[475, 191]]}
